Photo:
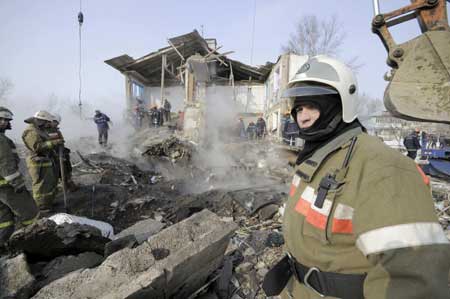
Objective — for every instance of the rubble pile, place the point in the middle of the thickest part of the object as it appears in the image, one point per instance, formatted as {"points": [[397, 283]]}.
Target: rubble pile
{"points": [[441, 195], [175, 262], [183, 227], [171, 148], [163, 234]]}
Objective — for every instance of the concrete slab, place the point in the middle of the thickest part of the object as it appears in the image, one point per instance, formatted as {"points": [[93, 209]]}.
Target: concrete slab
{"points": [[173, 263], [16, 280], [142, 230]]}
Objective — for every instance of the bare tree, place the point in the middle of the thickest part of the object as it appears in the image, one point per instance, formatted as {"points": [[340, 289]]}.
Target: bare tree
{"points": [[314, 37], [5, 88]]}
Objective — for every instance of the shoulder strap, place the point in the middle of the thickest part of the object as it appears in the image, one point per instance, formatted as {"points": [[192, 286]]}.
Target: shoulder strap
{"points": [[308, 168]]}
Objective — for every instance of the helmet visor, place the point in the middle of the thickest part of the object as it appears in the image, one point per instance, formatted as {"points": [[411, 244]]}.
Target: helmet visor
{"points": [[302, 91]]}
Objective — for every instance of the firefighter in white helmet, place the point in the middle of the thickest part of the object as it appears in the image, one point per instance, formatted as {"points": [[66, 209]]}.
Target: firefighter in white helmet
{"points": [[359, 221], [17, 207], [41, 166]]}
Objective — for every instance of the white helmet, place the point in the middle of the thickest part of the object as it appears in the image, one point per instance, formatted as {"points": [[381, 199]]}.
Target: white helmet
{"points": [[6, 113], [322, 75], [44, 115]]}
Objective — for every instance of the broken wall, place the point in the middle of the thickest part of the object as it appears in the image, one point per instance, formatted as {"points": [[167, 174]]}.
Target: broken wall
{"points": [[174, 94]]}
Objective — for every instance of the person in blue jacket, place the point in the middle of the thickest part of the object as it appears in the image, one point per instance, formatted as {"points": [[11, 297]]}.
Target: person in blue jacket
{"points": [[101, 120]]}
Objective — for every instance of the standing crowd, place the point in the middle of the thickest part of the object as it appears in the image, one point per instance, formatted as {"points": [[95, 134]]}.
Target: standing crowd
{"points": [[254, 131], [155, 116]]}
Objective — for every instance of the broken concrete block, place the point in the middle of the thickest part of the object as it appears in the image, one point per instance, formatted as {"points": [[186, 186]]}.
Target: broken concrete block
{"points": [[268, 212], [44, 240], [142, 230], [119, 244], [173, 263], [252, 201], [15, 278], [62, 265]]}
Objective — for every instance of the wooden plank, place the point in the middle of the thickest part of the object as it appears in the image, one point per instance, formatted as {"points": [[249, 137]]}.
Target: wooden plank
{"points": [[176, 50], [163, 68]]}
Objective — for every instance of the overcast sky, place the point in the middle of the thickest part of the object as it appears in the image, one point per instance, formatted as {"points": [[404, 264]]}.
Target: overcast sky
{"points": [[39, 38]]}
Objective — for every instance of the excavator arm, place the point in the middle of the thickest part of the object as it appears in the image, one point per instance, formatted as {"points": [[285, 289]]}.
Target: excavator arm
{"points": [[419, 85]]}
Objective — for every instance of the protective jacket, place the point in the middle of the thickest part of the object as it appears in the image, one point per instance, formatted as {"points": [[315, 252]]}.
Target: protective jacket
{"points": [[260, 126], [41, 164], [411, 142], [377, 222], [15, 201], [167, 105], [101, 120], [55, 133]]}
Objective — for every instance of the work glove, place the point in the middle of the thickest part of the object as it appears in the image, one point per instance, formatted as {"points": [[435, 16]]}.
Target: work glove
{"points": [[18, 184], [56, 142]]}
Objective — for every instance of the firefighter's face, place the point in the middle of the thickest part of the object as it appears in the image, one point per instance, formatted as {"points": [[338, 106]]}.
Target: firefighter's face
{"points": [[5, 124], [307, 116]]}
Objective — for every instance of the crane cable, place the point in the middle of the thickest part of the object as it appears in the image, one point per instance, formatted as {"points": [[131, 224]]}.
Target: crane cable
{"points": [[80, 23], [253, 32]]}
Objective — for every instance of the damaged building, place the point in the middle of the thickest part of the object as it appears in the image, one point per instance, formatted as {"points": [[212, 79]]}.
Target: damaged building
{"points": [[191, 70]]}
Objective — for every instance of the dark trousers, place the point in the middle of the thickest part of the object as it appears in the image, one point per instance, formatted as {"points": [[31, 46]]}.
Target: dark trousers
{"points": [[167, 115], [16, 210], [412, 154], [103, 136]]}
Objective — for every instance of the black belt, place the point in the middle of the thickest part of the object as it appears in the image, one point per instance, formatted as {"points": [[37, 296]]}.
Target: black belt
{"points": [[344, 286]]}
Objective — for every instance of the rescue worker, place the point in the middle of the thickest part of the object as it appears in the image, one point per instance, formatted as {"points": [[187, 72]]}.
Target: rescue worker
{"points": [[40, 160], [251, 130], [155, 116], [139, 111], [359, 221], [55, 133], [412, 144], [161, 111], [101, 120], [167, 108], [17, 207], [260, 127]]}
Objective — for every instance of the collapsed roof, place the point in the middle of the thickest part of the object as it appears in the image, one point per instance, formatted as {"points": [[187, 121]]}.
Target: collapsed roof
{"points": [[147, 69]]}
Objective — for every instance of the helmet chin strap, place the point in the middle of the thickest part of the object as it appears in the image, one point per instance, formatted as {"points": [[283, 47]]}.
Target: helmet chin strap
{"points": [[311, 134]]}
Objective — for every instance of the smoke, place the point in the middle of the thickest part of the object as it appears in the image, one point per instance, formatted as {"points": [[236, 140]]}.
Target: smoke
{"points": [[74, 126], [221, 118], [232, 163]]}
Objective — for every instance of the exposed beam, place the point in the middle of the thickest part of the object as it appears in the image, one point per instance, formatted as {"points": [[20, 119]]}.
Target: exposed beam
{"points": [[176, 50]]}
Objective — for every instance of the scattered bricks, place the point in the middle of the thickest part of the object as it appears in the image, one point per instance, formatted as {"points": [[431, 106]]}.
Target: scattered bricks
{"points": [[195, 248], [16, 280]]}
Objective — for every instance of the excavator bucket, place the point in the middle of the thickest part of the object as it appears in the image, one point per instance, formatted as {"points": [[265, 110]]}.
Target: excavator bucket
{"points": [[420, 88]]}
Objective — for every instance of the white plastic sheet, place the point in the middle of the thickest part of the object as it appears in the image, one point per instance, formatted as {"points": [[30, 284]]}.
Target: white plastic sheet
{"points": [[106, 228]]}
